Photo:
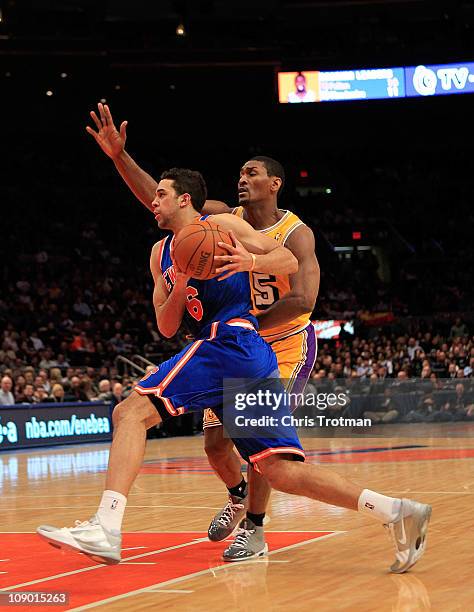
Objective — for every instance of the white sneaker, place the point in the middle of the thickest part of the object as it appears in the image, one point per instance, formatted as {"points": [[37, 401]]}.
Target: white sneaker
{"points": [[88, 537], [408, 533]]}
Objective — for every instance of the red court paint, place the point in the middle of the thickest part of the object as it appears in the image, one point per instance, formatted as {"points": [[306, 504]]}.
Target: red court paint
{"points": [[32, 559]]}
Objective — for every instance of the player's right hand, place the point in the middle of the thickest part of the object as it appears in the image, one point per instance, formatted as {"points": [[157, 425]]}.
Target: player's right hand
{"points": [[109, 139]]}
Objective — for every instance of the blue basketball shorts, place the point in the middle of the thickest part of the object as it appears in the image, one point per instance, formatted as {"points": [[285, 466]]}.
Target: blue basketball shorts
{"points": [[193, 380]]}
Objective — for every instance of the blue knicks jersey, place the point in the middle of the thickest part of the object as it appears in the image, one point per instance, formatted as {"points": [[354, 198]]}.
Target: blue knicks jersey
{"points": [[209, 300]]}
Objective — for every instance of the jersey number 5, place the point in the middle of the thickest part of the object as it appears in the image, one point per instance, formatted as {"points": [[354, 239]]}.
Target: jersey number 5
{"points": [[193, 305], [264, 294]]}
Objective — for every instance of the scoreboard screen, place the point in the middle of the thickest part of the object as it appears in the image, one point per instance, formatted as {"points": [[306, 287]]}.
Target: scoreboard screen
{"points": [[375, 83]]}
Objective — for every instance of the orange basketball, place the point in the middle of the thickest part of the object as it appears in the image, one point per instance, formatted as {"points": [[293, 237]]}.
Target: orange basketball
{"points": [[195, 247]]}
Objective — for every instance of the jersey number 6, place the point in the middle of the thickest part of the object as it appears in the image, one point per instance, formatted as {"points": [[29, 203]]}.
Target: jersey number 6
{"points": [[193, 305]]}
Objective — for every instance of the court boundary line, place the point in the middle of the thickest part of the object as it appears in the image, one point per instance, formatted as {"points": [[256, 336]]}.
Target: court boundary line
{"points": [[204, 572], [196, 531], [154, 552], [95, 506]]}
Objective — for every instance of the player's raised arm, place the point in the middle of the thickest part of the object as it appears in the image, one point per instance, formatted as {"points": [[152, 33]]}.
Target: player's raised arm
{"points": [[252, 250], [112, 143], [304, 284], [169, 307]]}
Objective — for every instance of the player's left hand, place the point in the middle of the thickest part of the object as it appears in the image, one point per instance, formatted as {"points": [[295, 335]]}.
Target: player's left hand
{"points": [[238, 258]]}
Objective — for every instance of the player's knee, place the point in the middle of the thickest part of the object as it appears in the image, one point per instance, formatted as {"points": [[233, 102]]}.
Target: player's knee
{"points": [[122, 413], [277, 473], [275, 480], [134, 409], [215, 444]]}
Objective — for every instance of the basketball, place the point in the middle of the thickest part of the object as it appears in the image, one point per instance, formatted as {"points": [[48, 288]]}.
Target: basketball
{"points": [[195, 247]]}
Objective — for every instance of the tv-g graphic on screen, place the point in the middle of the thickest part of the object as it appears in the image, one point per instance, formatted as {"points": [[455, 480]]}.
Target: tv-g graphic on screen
{"points": [[439, 80], [23, 426]]}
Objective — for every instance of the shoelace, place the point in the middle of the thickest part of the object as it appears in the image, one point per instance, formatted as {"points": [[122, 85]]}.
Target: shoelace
{"points": [[229, 512], [81, 524], [242, 537]]}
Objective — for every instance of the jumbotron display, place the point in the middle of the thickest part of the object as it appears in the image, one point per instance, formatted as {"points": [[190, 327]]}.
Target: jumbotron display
{"points": [[375, 83]]}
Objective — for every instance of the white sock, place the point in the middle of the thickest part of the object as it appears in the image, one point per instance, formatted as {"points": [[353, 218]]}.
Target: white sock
{"points": [[378, 506], [111, 510]]}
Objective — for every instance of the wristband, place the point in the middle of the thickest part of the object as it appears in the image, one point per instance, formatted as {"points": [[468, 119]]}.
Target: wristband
{"points": [[253, 262]]}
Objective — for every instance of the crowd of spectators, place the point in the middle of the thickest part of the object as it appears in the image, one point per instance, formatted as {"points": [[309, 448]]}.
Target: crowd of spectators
{"points": [[421, 377], [45, 385]]}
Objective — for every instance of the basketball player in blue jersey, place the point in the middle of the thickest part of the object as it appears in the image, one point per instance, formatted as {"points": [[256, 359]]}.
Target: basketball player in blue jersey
{"points": [[282, 304], [193, 379]]}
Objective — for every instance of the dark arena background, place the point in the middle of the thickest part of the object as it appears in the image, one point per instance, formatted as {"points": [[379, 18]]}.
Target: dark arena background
{"points": [[379, 164]]}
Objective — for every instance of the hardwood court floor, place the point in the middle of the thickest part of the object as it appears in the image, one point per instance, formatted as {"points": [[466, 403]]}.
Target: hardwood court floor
{"points": [[322, 558]]}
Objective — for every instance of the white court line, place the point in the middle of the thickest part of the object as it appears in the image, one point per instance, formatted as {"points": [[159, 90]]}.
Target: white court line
{"points": [[95, 506], [434, 492], [183, 591], [203, 539], [196, 574], [95, 494], [99, 566]]}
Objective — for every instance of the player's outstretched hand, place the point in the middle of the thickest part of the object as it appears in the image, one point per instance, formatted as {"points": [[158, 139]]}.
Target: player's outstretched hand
{"points": [[238, 258], [109, 139]]}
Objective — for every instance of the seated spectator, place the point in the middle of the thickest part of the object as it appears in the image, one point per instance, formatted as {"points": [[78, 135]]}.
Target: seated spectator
{"points": [[28, 396], [6, 395], [440, 364], [36, 341], [62, 362], [459, 329], [423, 412], [86, 389], [105, 391], [412, 348], [58, 394], [55, 376], [452, 370], [77, 390], [117, 394], [40, 395], [7, 354], [19, 385], [461, 404], [47, 360], [386, 412]]}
